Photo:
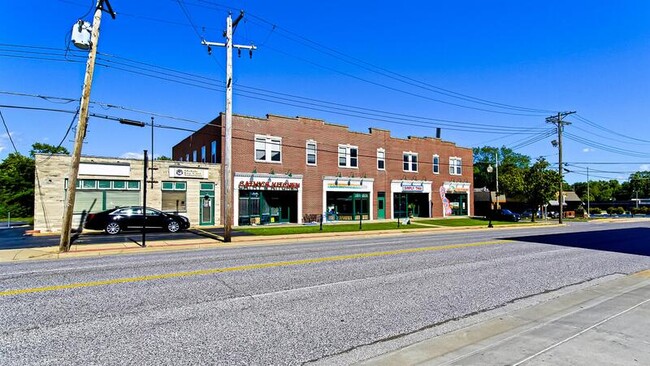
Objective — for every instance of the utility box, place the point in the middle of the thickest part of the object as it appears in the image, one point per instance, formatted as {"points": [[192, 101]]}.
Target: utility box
{"points": [[81, 34]]}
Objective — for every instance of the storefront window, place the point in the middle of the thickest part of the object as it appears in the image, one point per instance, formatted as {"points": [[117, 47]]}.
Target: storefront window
{"points": [[174, 196]]}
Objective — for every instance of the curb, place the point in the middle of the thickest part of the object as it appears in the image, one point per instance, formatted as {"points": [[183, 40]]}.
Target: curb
{"points": [[89, 250]]}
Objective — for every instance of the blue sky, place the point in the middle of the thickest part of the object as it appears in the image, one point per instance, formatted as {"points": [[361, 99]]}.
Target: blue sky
{"points": [[407, 67]]}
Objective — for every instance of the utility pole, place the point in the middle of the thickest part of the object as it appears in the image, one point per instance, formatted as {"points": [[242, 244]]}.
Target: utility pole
{"points": [[227, 161], [66, 225], [588, 198], [557, 120], [496, 159]]}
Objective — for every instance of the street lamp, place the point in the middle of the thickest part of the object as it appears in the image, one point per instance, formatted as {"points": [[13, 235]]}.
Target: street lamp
{"points": [[496, 193]]}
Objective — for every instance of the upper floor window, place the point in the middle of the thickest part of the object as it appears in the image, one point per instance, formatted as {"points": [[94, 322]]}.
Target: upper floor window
{"points": [[410, 162], [455, 166], [311, 152], [203, 154], [213, 151], [268, 148], [194, 156], [348, 156], [187, 157], [381, 159], [436, 164]]}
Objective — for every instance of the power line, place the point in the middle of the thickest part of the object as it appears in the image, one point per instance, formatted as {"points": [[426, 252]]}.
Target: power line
{"points": [[8, 133], [596, 125], [383, 71]]}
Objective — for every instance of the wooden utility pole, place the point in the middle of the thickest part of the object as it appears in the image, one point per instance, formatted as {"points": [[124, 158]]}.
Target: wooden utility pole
{"points": [[66, 225], [227, 161], [557, 120]]}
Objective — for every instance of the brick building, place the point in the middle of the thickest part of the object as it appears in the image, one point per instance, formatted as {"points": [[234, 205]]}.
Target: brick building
{"points": [[294, 169]]}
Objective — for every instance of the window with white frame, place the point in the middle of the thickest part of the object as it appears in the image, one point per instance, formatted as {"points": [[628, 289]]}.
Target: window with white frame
{"points": [[455, 166], [410, 162], [268, 148], [436, 164], [381, 159], [348, 156], [311, 152]]}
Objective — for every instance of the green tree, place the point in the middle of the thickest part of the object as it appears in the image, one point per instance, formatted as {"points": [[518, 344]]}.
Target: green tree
{"points": [[41, 148], [512, 167], [541, 185], [163, 157], [17, 185]]}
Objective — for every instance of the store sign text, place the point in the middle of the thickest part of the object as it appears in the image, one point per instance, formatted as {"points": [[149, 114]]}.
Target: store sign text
{"points": [[269, 185]]}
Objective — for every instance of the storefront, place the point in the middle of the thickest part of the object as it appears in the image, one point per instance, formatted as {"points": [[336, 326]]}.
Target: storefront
{"points": [[348, 199], [189, 189], [411, 198], [267, 198], [455, 198]]}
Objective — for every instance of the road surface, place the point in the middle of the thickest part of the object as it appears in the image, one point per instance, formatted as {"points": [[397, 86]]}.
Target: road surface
{"points": [[292, 303]]}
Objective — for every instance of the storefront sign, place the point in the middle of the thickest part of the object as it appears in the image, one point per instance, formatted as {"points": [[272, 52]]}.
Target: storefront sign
{"points": [[412, 187], [456, 187], [178, 172], [344, 185], [257, 185]]}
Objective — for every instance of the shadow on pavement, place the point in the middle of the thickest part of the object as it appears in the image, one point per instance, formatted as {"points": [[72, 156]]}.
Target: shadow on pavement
{"points": [[630, 240]]}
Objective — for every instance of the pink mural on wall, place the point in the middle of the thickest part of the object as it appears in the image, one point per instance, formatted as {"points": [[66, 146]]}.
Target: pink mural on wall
{"points": [[445, 202]]}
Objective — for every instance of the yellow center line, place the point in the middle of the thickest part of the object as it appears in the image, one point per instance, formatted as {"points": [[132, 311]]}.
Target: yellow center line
{"points": [[203, 272]]}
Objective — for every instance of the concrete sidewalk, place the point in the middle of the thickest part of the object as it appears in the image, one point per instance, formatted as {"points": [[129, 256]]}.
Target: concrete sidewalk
{"points": [[210, 240], [605, 324]]}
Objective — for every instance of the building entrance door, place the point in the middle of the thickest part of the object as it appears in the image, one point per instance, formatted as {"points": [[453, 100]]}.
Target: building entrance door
{"points": [[381, 205], [206, 207]]}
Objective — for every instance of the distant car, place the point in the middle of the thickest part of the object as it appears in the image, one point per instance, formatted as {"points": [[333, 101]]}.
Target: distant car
{"points": [[505, 215], [124, 218], [527, 214]]}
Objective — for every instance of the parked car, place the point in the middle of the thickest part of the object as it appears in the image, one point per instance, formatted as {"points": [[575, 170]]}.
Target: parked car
{"points": [[527, 214], [124, 218], [505, 215]]}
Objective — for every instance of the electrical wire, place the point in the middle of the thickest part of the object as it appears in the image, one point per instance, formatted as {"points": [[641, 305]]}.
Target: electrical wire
{"points": [[596, 125], [8, 133], [379, 70]]}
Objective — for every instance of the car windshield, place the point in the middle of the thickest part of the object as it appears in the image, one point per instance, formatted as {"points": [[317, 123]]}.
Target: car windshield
{"points": [[507, 212]]}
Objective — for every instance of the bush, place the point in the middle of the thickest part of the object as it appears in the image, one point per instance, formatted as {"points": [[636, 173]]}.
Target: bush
{"points": [[306, 218], [595, 211]]}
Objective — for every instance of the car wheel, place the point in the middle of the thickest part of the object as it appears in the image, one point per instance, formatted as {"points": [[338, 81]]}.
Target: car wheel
{"points": [[173, 226], [112, 228]]}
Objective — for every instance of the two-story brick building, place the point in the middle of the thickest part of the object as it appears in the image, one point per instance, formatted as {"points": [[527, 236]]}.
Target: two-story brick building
{"points": [[294, 169]]}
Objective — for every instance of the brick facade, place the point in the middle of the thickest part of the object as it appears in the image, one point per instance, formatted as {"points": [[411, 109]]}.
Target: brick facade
{"points": [[296, 132]]}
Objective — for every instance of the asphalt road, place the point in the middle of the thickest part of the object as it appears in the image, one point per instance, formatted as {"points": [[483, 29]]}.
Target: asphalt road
{"points": [[14, 238], [292, 303]]}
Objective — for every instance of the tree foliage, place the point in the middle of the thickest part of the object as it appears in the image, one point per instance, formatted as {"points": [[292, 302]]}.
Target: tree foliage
{"points": [[17, 176], [41, 148], [17, 185], [541, 185], [511, 169]]}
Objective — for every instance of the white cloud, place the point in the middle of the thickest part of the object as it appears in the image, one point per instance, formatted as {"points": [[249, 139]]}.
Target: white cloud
{"points": [[586, 150], [644, 167], [132, 155]]}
